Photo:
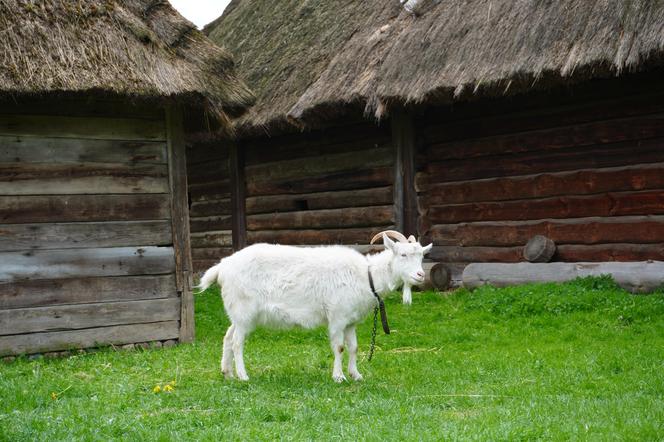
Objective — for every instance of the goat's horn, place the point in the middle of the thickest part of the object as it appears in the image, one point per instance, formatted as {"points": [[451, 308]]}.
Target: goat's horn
{"points": [[392, 233], [411, 238]]}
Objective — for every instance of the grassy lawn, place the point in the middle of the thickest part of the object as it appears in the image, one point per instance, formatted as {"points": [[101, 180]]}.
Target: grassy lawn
{"points": [[583, 360]]}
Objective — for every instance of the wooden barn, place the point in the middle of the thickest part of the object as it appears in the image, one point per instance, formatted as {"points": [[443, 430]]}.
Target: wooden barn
{"points": [[474, 124], [94, 234]]}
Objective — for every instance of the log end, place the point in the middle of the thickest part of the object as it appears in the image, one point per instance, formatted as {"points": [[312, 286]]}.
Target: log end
{"points": [[539, 249]]}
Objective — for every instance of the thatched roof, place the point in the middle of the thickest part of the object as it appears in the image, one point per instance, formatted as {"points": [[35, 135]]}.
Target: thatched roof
{"points": [[306, 59], [139, 48]]}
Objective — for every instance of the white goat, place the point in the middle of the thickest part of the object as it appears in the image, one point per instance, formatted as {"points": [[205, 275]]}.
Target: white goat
{"points": [[282, 286]]}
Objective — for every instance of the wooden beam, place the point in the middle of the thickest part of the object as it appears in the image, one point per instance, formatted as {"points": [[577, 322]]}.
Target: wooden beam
{"points": [[405, 196], [177, 167], [238, 191]]}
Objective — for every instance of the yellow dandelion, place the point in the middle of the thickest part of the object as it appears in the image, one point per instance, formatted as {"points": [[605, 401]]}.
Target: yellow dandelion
{"points": [[168, 388], [54, 396], [156, 389]]}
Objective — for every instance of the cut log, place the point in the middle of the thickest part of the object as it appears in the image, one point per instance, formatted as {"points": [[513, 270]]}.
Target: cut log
{"points": [[321, 219], [636, 277], [539, 249], [316, 237], [440, 276]]}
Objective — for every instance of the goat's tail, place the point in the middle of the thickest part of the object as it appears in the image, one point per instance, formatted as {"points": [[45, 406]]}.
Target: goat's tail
{"points": [[210, 276]]}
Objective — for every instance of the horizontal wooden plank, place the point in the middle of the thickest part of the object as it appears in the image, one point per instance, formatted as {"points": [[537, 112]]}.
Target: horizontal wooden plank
{"points": [[208, 223], [48, 292], [360, 179], [476, 254], [221, 238], [320, 200], [322, 219], [100, 314], [82, 127], [315, 237], [212, 190], [73, 106], [322, 165], [202, 153], [606, 155], [208, 172], [619, 229], [211, 252], [83, 178], [72, 208], [649, 202], [44, 236], [577, 182], [595, 133], [92, 337], [81, 263], [75, 150], [201, 265], [212, 207], [361, 136]]}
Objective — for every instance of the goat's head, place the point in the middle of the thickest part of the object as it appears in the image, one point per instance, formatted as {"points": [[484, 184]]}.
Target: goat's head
{"points": [[407, 257]]}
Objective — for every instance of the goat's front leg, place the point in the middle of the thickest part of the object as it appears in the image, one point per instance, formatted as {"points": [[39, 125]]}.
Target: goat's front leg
{"points": [[337, 343], [239, 336], [227, 353], [351, 344]]}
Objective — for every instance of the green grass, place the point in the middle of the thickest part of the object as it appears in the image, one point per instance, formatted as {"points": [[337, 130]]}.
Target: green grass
{"points": [[583, 360]]}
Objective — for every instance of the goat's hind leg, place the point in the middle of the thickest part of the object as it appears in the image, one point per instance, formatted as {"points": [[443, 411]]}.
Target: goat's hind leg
{"points": [[351, 344], [239, 335], [337, 344], [227, 353]]}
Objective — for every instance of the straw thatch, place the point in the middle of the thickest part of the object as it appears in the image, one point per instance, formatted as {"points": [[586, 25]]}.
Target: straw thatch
{"points": [[138, 48], [308, 59]]}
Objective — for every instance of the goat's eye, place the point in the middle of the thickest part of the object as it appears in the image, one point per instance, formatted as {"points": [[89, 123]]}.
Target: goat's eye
{"points": [[403, 254]]}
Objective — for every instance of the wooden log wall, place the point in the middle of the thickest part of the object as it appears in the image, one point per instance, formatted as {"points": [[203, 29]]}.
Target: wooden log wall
{"points": [[86, 235], [587, 173], [210, 210], [330, 186]]}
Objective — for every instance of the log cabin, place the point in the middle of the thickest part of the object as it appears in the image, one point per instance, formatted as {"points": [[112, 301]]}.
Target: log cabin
{"points": [[474, 124], [96, 98]]}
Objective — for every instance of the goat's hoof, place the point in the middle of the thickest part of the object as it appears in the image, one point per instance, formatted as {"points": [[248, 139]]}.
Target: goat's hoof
{"points": [[228, 374], [243, 377], [339, 378], [356, 376]]}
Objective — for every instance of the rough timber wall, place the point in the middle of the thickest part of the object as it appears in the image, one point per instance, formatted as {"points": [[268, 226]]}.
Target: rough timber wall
{"points": [[332, 186], [588, 173], [86, 245], [209, 203]]}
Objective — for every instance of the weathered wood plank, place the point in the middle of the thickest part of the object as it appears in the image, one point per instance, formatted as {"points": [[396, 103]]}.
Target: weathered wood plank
{"points": [[221, 238], [201, 265], [207, 223], [325, 164], [577, 182], [320, 200], [84, 178], [92, 337], [577, 135], [75, 150], [360, 179], [211, 207], [101, 314], [71, 208], [82, 127], [637, 277], [200, 154], [476, 254], [623, 229], [609, 204], [212, 190], [238, 196], [49, 292], [592, 157], [72, 106], [315, 237], [44, 236], [322, 219], [177, 172], [211, 253], [210, 171], [80, 263]]}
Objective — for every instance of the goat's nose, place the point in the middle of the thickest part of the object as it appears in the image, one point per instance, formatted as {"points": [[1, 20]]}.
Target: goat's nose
{"points": [[420, 273]]}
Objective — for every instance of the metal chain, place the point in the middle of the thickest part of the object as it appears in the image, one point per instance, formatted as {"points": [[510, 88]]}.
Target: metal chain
{"points": [[373, 334]]}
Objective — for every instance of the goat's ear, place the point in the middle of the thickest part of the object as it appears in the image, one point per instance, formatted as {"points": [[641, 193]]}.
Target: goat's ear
{"points": [[427, 249], [389, 244]]}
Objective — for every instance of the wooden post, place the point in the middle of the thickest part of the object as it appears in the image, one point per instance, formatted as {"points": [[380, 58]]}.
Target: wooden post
{"points": [[238, 202], [405, 196], [177, 171]]}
